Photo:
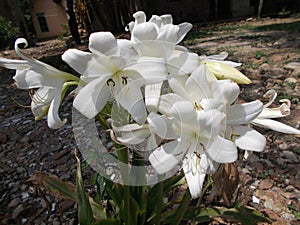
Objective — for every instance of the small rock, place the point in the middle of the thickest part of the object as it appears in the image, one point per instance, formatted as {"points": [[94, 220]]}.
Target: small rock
{"points": [[3, 137], [265, 184], [290, 80], [14, 202], [265, 67], [290, 188], [17, 211], [292, 65], [290, 156], [65, 205]]}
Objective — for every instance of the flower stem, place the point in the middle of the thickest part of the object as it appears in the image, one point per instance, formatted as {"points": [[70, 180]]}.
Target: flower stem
{"points": [[159, 202], [182, 208]]}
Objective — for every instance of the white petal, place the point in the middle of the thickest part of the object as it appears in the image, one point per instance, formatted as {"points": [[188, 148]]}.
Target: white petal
{"points": [[221, 150], [162, 126], [140, 17], [29, 78], [269, 113], [155, 19], [168, 33], [77, 59], [153, 70], [53, 119], [184, 111], [132, 134], [145, 31], [103, 43], [275, 125], [243, 113], [92, 98], [166, 19], [152, 96], [13, 64], [197, 85], [184, 28], [194, 180], [225, 91], [168, 156], [156, 48], [248, 139], [131, 99], [167, 101], [182, 63]]}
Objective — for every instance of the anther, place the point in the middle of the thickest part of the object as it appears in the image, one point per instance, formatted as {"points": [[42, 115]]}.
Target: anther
{"points": [[109, 81]]}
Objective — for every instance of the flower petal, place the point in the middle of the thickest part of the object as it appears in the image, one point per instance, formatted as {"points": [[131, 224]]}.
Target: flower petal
{"points": [[248, 139], [145, 31], [275, 125], [14, 64], [156, 48], [92, 98], [77, 59], [194, 180], [221, 150], [131, 99], [223, 71], [53, 119], [132, 134], [153, 70], [168, 33], [103, 43], [152, 96], [168, 156], [182, 63], [226, 91], [184, 28], [243, 113], [162, 126], [167, 101]]}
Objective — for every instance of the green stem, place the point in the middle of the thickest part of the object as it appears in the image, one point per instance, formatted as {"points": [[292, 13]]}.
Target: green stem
{"points": [[122, 153], [208, 185], [182, 208], [159, 203]]}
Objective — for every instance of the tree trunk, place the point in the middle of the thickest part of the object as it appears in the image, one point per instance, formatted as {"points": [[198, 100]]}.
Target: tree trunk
{"points": [[260, 6], [72, 22]]}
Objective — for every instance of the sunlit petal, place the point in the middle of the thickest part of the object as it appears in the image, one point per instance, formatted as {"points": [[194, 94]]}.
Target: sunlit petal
{"points": [[243, 113], [103, 43], [275, 125], [248, 139]]}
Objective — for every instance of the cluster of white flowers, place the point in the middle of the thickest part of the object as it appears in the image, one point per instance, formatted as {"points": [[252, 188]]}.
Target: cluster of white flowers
{"points": [[183, 107]]}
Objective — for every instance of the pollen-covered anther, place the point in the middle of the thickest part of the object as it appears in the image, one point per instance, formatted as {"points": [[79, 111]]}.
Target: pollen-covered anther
{"points": [[124, 80], [111, 82]]}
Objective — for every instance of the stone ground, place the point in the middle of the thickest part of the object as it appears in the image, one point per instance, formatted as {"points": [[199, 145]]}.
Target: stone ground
{"points": [[269, 181]]}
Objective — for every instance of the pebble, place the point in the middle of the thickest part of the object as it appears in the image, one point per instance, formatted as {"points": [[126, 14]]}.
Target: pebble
{"points": [[290, 156]]}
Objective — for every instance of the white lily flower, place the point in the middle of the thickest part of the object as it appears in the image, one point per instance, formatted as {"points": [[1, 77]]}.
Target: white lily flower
{"points": [[157, 28], [204, 93], [112, 70], [34, 74], [264, 119], [223, 69]]}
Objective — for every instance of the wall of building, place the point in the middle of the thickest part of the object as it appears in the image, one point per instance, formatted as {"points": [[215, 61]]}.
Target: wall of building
{"points": [[54, 15]]}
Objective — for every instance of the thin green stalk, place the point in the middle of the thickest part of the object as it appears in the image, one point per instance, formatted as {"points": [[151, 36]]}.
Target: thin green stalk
{"points": [[208, 185], [122, 153], [159, 203], [182, 208]]}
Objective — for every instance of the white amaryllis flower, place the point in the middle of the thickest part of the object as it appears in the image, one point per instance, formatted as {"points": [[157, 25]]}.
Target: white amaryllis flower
{"points": [[113, 70], [223, 69], [47, 80], [157, 28], [205, 93], [264, 119]]}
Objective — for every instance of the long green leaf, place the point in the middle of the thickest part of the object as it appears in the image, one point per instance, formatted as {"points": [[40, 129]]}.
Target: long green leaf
{"points": [[85, 213]]}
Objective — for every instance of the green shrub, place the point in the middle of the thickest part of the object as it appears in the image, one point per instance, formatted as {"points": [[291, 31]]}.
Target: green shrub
{"points": [[8, 33]]}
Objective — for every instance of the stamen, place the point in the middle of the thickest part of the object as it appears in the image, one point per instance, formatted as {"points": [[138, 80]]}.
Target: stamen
{"points": [[110, 81], [124, 80]]}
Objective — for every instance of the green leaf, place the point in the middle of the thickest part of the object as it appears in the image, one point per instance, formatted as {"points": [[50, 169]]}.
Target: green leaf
{"points": [[85, 213], [107, 222], [244, 215]]}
